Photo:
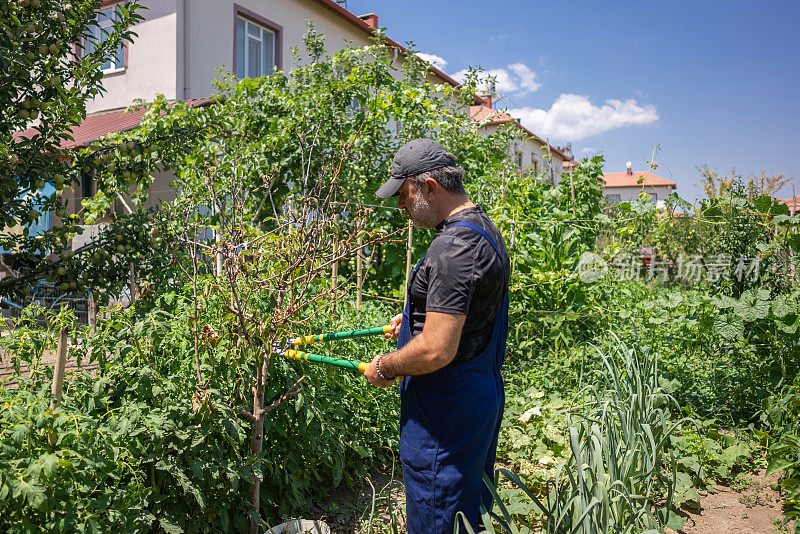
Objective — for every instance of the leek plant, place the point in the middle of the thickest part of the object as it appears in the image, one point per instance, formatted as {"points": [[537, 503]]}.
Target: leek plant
{"points": [[621, 475]]}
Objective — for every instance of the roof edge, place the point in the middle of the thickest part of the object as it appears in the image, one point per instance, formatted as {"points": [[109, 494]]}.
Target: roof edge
{"points": [[370, 31]]}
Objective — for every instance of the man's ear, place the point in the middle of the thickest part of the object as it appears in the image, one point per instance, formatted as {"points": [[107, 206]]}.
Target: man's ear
{"points": [[433, 185]]}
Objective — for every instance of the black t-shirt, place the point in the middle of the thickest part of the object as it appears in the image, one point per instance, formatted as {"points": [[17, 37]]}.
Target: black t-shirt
{"points": [[462, 275]]}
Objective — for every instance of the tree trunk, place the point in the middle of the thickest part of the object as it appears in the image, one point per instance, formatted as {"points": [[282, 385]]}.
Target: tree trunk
{"points": [[257, 439]]}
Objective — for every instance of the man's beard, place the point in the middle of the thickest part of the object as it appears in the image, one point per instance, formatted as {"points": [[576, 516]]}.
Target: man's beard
{"points": [[421, 213]]}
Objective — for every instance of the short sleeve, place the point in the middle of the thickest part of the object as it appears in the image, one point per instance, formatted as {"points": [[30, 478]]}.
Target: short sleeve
{"points": [[451, 275]]}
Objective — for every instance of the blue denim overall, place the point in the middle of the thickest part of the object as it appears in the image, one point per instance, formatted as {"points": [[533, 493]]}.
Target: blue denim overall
{"points": [[449, 423]]}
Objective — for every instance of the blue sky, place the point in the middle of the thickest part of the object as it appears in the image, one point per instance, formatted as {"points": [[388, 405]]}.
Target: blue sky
{"points": [[712, 82]]}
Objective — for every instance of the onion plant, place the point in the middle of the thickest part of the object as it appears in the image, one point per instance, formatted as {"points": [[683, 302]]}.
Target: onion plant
{"points": [[621, 474]]}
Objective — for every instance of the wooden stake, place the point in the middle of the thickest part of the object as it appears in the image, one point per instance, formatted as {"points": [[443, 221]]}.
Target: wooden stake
{"points": [[58, 373], [335, 266], [503, 192], [359, 274], [572, 191], [92, 312], [408, 261], [132, 283]]}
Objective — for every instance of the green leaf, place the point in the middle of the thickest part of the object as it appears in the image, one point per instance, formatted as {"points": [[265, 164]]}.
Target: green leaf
{"points": [[782, 306], [779, 463], [32, 493], [763, 203], [675, 201], [794, 241], [723, 302], [684, 487], [169, 527], [729, 326], [751, 307]]}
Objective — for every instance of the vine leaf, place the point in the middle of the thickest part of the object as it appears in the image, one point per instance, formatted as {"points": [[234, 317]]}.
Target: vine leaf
{"points": [[729, 326], [753, 305]]}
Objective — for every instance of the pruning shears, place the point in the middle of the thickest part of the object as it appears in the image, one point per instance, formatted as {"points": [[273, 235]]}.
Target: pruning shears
{"points": [[291, 351]]}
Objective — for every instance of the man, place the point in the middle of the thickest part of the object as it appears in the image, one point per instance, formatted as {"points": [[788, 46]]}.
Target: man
{"points": [[451, 343]]}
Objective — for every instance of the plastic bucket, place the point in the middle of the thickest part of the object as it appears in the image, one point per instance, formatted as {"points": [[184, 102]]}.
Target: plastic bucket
{"points": [[301, 526]]}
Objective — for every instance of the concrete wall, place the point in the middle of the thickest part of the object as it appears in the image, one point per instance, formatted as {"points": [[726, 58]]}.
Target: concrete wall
{"points": [[151, 60], [532, 151], [210, 29], [160, 190], [182, 43], [628, 194]]}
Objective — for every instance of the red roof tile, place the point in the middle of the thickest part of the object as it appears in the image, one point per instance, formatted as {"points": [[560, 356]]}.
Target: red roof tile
{"points": [[793, 203], [623, 179], [102, 123]]}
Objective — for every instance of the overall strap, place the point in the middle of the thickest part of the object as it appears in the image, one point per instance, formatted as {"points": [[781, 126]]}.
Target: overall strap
{"points": [[481, 231]]}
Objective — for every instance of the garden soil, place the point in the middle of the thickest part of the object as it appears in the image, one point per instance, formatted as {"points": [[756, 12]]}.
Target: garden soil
{"points": [[48, 358], [756, 509]]}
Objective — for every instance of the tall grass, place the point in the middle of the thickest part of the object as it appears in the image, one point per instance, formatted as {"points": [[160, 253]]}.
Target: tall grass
{"points": [[621, 475]]}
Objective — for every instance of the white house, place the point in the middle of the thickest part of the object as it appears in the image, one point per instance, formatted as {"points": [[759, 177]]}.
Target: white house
{"points": [[626, 186], [529, 152], [181, 43]]}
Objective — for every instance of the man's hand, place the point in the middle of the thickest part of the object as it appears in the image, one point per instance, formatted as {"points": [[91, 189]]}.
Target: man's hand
{"points": [[395, 324], [371, 374]]}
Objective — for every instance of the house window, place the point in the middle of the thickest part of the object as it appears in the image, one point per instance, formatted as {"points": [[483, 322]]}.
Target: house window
{"points": [[99, 33], [613, 199], [86, 185], [518, 159], [535, 164], [255, 49]]}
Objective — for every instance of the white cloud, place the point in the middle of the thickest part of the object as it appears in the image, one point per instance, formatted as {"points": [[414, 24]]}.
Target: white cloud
{"points": [[438, 61], [589, 150], [574, 117], [516, 78]]}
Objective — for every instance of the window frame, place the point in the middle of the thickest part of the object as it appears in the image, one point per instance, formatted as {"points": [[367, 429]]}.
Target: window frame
{"points": [[535, 163], [240, 12], [109, 4], [518, 159], [614, 198]]}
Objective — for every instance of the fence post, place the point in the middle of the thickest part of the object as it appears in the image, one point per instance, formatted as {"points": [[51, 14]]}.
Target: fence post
{"points": [[58, 373], [408, 261], [359, 274]]}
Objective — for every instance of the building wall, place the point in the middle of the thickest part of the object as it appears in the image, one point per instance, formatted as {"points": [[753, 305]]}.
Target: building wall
{"points": [[151, 60], [532, 154], [629, 194], [210, 29], [160, 190], [182, 43]]}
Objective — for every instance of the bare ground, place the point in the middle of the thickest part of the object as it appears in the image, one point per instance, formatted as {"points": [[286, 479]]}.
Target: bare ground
{"points": [[754, 509], [48, 359]]}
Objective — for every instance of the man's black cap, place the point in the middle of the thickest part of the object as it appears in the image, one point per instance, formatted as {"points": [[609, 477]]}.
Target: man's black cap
{"points": [[415, 157]]}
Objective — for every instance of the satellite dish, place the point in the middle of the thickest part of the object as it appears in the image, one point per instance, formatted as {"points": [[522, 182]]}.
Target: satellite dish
{"points": [[628, 165]]}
